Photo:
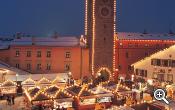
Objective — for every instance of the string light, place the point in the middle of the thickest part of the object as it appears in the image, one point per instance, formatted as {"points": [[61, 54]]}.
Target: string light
{"points": [[86, 16], [114, 39], [93, 35]]}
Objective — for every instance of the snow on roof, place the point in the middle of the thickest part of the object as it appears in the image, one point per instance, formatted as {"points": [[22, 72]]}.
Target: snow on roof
{"points": [[142, 36], [154, 55], [47, 41]]}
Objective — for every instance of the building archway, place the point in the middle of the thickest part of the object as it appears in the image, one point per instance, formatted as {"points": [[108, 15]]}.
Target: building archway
{"points": [[103, 74]]}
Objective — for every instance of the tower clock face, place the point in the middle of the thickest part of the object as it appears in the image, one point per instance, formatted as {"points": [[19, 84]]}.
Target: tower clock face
{"points": [[104, 11]]}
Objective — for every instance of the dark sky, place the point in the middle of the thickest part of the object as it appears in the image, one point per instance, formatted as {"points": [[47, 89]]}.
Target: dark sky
{"points": [[43, 17]]}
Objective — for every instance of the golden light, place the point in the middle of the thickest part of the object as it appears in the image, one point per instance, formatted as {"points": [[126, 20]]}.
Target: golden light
{"points": [[93, 35]]}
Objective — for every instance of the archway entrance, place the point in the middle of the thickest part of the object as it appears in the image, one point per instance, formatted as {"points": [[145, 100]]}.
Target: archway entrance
{"points": [[103, 74]]}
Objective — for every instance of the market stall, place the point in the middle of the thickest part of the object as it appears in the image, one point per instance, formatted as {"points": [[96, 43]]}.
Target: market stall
{"points": [[102, 95], [28, 83], [121, 92], [83, 98], [63, 100], [8, 87], [44, 82], [59, 81]]}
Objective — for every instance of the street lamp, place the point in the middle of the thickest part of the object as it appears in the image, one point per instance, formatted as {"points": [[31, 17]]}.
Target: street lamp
{"points": [[17, 77]]}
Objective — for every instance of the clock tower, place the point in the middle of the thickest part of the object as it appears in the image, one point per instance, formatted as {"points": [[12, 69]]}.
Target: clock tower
{"points": [[100, 18]]}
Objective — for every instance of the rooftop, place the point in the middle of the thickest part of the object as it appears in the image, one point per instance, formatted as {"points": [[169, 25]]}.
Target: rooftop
{"points": [[144, 36], [61, 41]]}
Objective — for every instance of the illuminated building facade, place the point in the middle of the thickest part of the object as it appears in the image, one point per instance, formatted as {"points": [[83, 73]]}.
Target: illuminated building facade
{"points": [[158, 66], [47, 55]]}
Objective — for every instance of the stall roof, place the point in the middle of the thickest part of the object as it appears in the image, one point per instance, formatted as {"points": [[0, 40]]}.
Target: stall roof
{"points": [[61, 95], [99, 90], [28, 81], [74, 90], [52, 90], [40, 97], [33, 91], [44, 80], [8, 84]]}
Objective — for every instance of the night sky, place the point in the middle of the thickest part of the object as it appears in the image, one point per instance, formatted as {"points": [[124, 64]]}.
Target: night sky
{"points": [[43, 17]]}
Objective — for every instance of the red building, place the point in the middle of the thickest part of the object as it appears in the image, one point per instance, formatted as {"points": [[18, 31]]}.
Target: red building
{"points": [[132, 47]]}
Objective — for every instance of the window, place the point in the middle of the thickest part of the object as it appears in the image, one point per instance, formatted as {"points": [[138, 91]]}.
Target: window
{"points": [[170, 77], [48, 54], [158, 62], [127, 55], [67, 55], [141, 72], [38, 53], [48, 67], [173, 63], [17, 53], [38, 66], [146, 45], [28, 66], [165, 63], [28, 53], [17, 65], [136, 45], [67, 67]]}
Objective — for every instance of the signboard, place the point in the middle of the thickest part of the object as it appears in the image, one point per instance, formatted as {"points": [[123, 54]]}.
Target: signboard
{"points": [[87, 101], [63, 104], [104, 99]]}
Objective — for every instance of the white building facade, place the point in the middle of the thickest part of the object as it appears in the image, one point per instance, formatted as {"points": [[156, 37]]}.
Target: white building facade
{"points": [[159, 66]]}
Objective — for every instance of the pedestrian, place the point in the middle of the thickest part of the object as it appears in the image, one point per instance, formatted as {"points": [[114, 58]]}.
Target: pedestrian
{"points": [[8, 100], [13, 99]]}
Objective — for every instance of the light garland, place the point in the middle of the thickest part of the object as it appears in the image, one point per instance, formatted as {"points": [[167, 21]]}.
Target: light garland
{"points": [[114, 40], [93, 35], [86, 17], [28, 81], [105, 68], [8, 81]]}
